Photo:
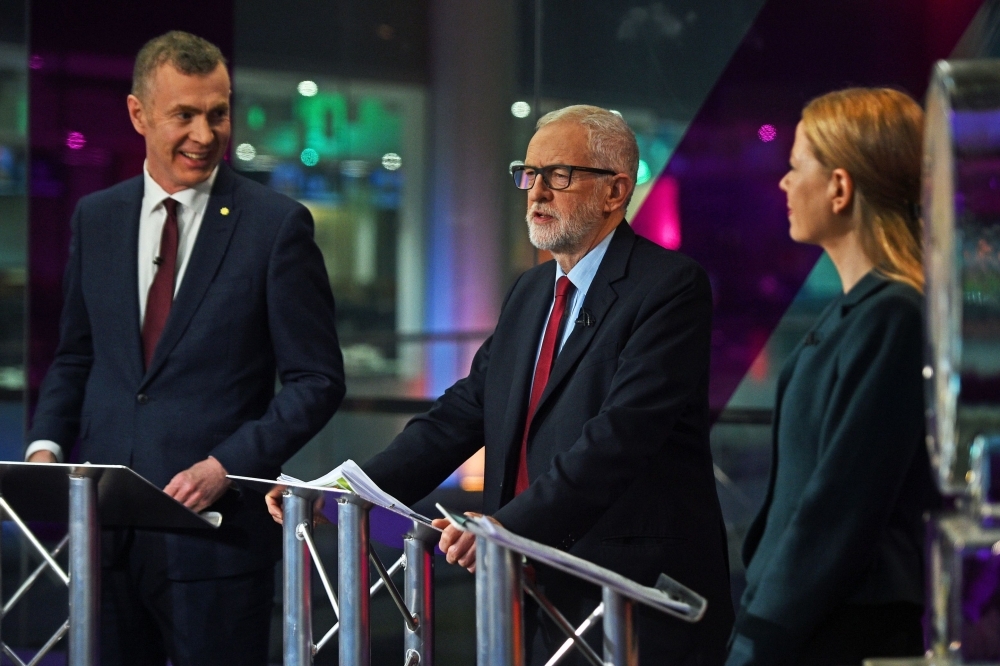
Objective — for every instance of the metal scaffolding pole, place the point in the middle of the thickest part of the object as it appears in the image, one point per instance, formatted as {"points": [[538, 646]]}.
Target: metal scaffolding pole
{"points": [[418, 549], [352, 575], [621, 644], [482, 603], [506, 603], [298, 645], [84, 571]]}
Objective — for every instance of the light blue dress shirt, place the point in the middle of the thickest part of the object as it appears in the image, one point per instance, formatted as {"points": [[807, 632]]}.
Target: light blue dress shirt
{"points": [[580, 276]]}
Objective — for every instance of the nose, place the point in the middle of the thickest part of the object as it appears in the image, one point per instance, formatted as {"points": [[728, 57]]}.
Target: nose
{"points": [[200, 130], [539, 190], [783, 183]]}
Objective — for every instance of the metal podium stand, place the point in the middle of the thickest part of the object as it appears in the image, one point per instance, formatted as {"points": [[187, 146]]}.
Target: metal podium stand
{"points": [[99, 495], [356, 520], [499, 602]]}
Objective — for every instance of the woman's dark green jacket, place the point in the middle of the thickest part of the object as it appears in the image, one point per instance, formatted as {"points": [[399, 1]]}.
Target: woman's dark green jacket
{"points": [[850, 478]]}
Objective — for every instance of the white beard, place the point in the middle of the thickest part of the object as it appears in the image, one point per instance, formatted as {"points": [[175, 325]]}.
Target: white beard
{"points": [[564, 235]]}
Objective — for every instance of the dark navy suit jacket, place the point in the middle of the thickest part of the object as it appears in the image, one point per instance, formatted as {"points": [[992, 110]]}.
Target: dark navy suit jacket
{"points": [[254, 305], [619, 461]]}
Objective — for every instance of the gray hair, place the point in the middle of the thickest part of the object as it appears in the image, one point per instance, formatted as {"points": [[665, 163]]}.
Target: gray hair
{"points": [[189, 53], [610, 140]]}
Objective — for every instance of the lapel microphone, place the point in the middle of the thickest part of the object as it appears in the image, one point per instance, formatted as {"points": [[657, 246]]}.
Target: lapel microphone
{"points": [[586, 319], [157, 261]]}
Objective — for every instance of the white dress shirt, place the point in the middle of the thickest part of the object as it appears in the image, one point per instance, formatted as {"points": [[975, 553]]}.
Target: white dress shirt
{"points": [[152, 216]]}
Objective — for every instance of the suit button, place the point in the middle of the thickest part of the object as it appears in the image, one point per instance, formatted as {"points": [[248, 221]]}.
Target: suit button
{"points": [[142, 398]]}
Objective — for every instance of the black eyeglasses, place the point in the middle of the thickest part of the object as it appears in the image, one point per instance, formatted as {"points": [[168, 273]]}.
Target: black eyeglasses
{"points": [[556, 176]]}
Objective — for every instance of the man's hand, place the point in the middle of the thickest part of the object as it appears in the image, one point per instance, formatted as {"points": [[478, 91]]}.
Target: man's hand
{"points": [[199, 485], [458, 546], [274, 499], [43, 456]]}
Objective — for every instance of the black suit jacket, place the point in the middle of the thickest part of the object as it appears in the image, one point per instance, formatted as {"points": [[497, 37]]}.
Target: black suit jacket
{"points": [[255, 303], [619, 461], [850, 477]]}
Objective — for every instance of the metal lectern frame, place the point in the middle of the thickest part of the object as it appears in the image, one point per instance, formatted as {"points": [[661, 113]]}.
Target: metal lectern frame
{"points": [[354, 555], [500, 581], [97, 496]]}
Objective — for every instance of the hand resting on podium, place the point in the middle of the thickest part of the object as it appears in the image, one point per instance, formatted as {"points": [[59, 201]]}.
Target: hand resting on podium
{"points": [[458, 547], [197, 487], [43, 457], [273, 501], [200, 485]]}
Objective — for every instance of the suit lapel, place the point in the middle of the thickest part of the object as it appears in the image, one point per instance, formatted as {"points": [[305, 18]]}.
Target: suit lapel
{"points": [[209, 249], [600, 297], [529, 321], [123, 285]]}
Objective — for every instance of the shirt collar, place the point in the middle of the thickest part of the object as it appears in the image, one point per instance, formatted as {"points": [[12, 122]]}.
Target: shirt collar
{"points": [[153, 194], [583, 273], [867, 285]]}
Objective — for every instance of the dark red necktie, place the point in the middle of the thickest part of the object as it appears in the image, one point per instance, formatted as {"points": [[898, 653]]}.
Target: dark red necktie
{"points": [[550, 343], [161, 292]]}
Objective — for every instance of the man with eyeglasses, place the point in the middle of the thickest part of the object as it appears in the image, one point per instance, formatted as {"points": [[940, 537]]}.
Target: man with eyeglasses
{"points": [[591, 398]]}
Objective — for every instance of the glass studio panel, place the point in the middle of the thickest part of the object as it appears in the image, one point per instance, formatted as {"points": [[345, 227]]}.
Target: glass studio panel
{"points": [[351, 152]]}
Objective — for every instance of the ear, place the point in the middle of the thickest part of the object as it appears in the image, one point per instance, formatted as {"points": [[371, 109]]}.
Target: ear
{"points": [[621, 187], [137, 114], [841, 190]]}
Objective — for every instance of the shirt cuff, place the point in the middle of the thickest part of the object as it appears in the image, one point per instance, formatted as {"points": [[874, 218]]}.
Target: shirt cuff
{"points": [[44, 445]]}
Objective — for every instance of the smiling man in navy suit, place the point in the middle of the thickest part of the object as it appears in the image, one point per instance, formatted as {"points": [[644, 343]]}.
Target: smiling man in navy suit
{"points": [[189, 290], [591, 398]]}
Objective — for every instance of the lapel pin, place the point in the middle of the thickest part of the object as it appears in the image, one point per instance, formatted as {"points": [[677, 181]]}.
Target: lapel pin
{"points": [[224, 211]]}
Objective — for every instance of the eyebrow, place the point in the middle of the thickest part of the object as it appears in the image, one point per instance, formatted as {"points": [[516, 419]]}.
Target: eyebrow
{"points": [[193, 109]]}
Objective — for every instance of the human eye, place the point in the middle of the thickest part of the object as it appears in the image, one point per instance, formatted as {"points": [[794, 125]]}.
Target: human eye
{"points": [[559, 175]]}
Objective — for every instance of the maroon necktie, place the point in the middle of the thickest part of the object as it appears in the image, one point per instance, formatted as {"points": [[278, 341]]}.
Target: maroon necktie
{"points": [[543, 367], [161, 292]]}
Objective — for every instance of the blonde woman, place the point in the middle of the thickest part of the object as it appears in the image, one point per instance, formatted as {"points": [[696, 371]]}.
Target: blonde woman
{"points": [[835, 557]]}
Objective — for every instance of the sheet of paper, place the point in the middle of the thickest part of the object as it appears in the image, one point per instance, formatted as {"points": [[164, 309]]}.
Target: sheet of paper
{"points": [[350, 477]]}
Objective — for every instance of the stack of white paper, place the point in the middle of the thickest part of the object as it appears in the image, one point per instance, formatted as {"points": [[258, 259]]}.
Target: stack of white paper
{"points": [[350, 477]]}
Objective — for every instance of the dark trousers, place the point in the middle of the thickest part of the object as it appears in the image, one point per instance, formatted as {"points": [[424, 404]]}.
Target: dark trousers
{"points": [[147, 618], [853, 633]]}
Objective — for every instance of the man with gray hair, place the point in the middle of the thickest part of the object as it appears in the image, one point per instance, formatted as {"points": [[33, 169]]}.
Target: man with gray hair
{"points": [[189, 288], [591, 398]]}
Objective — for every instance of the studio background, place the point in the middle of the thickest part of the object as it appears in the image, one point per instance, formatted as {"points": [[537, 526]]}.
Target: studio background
{"points": [[394, 122]]}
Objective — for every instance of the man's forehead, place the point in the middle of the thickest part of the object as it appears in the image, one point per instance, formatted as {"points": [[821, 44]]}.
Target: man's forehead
{"points": [[167, 74], [562, 137]]}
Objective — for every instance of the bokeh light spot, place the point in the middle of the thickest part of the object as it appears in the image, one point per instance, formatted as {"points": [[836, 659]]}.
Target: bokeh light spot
{"points": [[256, 117], [308, 88], [392, 161], [309, 157], [767, 133], [75, 140], [520, 109], [643, 174], [246, 152]]}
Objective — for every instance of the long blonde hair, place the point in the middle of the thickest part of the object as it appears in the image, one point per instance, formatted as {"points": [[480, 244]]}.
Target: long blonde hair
{"points": [[876, 135]]}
